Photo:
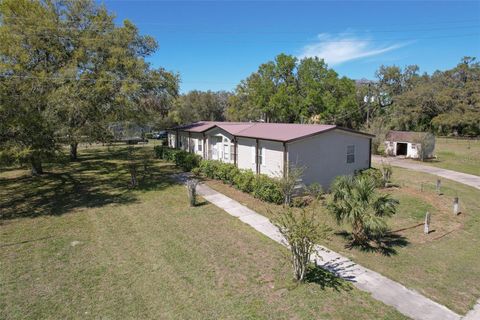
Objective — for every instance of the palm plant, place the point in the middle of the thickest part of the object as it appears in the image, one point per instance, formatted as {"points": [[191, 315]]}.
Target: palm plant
{"points": [[355, 201]]}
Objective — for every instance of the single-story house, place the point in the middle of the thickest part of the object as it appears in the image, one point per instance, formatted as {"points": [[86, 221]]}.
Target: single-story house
{"points": [[416, 145], [324, 151]]}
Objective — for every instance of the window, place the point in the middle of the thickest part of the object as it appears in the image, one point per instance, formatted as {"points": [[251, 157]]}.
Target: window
{"points": [[414, 146], [261, 156], [350, 154], [232, 151], [200, 146], [226, 154]]}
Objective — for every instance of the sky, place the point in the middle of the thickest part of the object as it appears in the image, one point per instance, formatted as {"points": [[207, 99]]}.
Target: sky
{"points": [[213, 45]]}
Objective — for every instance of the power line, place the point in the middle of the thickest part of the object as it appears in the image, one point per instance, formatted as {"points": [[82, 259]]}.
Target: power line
{"points": [[197, 30], [285, 41], [106, 80]]}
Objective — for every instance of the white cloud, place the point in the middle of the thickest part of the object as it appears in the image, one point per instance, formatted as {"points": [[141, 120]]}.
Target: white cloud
{"points": [[344, 47]]}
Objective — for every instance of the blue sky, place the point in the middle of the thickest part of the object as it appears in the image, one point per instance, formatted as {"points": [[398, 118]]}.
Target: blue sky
{"points": [[214, 45]]}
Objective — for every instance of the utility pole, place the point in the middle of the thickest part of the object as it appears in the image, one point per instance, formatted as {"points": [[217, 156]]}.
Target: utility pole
{"points": [[367, 99]]}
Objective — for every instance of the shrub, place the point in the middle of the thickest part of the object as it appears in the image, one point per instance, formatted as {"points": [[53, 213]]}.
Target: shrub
{"points": [[267, 189], [386, 171], [373, 174], [208, 168], [244, 181], [192, 192], [302, 202], [189, 161], [356, 202], [302, 232], [159, 151], [288, 183], [314, 190], [227, 172], [183, 159]]}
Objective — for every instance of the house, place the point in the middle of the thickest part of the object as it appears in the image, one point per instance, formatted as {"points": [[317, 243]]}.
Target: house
{"points": [[416, 145], [324, 151]]}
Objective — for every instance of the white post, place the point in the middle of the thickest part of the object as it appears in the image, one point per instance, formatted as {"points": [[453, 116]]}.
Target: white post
{"points": [[426, 228]]}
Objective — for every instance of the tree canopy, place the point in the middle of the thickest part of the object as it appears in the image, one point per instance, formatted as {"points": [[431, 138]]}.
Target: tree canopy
{"points": [[66, 71], [292, 90]]}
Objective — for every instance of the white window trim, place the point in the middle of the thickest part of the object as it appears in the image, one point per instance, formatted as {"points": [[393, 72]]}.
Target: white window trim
{"points": [[350, 154]]}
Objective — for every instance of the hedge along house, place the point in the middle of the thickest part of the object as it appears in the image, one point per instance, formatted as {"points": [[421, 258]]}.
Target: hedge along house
{"points": [[416, 145], [324, 151]]}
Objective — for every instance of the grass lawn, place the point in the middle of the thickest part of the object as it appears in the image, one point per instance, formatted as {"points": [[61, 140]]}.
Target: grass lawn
{"points": [[458, 155], [77, 243], [443, 265]]}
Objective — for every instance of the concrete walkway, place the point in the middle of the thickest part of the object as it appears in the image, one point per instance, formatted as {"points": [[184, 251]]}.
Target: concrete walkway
{"points": [[474, 314], [468, 179], [406, 301]]}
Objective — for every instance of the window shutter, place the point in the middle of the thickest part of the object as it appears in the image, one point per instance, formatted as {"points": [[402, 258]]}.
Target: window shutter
{"points": [[253, 154]]}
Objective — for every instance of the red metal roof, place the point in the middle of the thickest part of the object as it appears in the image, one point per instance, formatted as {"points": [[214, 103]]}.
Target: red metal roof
{"points": [[282, 131], [267, 131]]}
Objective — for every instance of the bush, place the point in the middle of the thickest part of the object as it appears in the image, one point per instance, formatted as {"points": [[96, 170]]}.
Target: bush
{"points": [[314, 190], [183, 159], [189, 161], [149, 135], [267, 189], [374, 174], [244, 181], [261, 187], [302, 232], [302, 202], [192, 192], [208, 168]]}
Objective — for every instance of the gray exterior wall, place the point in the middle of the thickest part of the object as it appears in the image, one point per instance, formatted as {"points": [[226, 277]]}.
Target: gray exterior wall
{"points": [[324, 156]]}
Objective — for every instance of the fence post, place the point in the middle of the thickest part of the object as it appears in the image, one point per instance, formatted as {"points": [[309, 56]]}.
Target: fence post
{"points": [[439, 185], [426, 228]]}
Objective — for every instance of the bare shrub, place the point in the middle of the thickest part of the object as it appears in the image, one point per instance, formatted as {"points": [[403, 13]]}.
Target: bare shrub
{"points": [[302, 232], [289, 182], [192, 191], [132, 165], [387, 171]]}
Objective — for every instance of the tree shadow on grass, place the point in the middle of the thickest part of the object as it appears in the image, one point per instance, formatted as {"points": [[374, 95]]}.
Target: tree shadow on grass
{"points": [[385, 244], [325, 279], [100, 178]]}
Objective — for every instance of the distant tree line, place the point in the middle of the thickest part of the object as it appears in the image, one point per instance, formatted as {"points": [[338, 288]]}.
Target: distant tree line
{"points": [[308, 91]]}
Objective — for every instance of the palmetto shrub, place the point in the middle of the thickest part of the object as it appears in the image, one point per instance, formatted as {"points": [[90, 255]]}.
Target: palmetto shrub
{"points": [[356, 201]]}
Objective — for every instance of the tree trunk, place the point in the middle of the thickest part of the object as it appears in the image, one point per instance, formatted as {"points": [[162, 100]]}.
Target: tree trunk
{"points": [[358, 233], [73, 151], [37, 168]]}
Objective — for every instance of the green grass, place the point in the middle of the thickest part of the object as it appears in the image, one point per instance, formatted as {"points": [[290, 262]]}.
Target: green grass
{"points": [[458, 155], [443, 265], [77, 243]]}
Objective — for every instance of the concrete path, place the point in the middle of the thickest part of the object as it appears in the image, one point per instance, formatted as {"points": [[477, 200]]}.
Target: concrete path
{"points": [[468, 179], [474, 314], [406, 301]]}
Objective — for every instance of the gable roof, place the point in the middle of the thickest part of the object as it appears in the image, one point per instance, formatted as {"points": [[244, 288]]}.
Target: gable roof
{"points": [[283, 132], [405, 136]]}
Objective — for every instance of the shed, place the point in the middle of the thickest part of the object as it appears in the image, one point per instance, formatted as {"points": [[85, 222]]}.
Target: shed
{"points": [[409, 144]]}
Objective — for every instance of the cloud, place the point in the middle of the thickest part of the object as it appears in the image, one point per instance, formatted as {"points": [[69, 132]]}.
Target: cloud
{"points": [[344, 47]]}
